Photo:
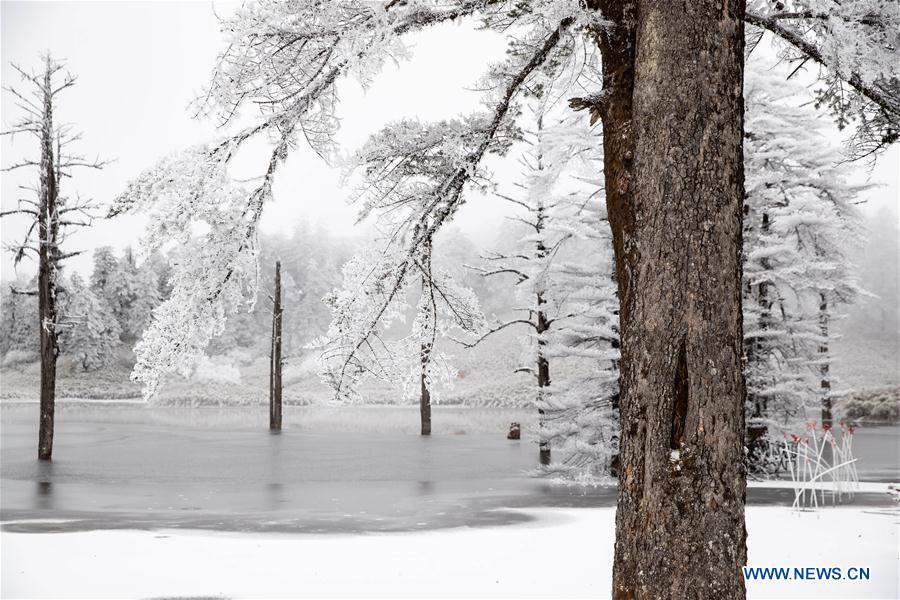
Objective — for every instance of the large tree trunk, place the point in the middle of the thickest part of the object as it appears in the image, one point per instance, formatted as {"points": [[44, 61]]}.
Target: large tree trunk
{"points": [[275, 385], [48, 227], [616, 43], [672, 113]]}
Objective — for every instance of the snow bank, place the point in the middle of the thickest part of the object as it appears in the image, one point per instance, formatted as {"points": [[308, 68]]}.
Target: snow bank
{"points": [[565, 553]]}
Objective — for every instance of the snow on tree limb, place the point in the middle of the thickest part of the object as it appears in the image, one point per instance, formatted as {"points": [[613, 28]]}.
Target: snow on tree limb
{"points": [[428, 168], [857, 42], [284, 58]]}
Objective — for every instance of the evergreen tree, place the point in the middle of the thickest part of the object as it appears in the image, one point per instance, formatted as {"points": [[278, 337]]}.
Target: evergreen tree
{"points": [[18, 327], [91, 332], [104, 271], [548, 277], [800, 223]]}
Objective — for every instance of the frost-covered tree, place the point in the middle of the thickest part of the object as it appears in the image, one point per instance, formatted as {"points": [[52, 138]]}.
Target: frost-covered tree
{"points": [[670, 104], [299, 50], [18, 327], [800, 224], [91, 334], [548, 289], [130, 289], [854, 44], [105, 265], [134, 291], [582, 408], [52, 217], [354, 349]]}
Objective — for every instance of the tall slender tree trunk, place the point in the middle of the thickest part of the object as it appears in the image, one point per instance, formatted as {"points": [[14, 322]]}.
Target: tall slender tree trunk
{"points": [[425, 349], [48, 227], [425, 396], [615, 344], [275, 385], [543, 378], [824, 362], [542, 324], [672, 112], [758, 352]]}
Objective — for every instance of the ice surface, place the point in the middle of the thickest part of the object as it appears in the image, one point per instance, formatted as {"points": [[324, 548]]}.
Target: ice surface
{"points": [[222, 470]]}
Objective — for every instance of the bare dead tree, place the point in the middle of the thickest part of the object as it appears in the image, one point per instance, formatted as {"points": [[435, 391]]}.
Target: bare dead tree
{"points": [[52, 215]]}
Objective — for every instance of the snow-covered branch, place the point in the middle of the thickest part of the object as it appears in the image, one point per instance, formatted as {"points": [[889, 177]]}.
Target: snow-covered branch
{"points": [[856, 41]]}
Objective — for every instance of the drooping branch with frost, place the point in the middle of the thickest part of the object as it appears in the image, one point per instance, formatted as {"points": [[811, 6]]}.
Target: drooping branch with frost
{"points": [[416, 175], [213, 273], [283, 59], [399, 359], [856, 44]]}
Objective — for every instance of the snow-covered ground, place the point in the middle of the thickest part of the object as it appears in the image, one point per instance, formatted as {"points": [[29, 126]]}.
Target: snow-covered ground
{"points": [[563, 553]]}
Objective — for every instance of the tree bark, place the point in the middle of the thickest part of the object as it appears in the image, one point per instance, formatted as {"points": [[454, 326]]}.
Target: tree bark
{"points": [[824, 364], [757, 353], [275, 385], [425, 348], [48, 227], [543, 373], [425, 396], [672, 112]]}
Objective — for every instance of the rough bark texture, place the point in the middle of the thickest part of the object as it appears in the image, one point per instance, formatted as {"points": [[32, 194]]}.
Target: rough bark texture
{"points": [[48, 226], [672, 113], [275, 385], [616, 43]]}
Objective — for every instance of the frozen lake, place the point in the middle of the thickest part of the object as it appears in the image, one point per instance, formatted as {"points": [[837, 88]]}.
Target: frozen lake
{"points": [[359, 470]]}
